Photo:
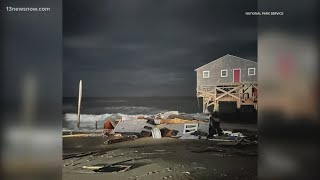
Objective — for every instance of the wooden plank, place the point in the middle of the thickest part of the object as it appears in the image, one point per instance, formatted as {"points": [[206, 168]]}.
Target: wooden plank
{"points": [[206, 92], [228, 93], [212, 103]]}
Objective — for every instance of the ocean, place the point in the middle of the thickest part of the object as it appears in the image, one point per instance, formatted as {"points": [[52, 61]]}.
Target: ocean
{"points": [[99, 108], [131, 105]]}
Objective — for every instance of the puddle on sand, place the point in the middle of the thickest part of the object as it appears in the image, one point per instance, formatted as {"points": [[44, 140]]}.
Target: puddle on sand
{"points": [[113, 168], [108, 168]]}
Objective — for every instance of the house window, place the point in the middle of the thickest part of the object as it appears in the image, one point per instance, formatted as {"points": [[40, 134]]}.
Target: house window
{"points": [[224, 73], [251, 71], [206, 74]]}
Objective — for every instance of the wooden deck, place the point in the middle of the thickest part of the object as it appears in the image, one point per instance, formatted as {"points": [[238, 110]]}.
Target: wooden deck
{"points": [[244, 93]]}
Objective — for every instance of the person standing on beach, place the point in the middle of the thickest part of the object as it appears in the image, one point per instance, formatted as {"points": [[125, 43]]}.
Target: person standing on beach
{"points": [[214, 125]]}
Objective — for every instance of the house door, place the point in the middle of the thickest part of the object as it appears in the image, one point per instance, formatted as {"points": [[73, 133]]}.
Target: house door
{"points": [[236, 75]]}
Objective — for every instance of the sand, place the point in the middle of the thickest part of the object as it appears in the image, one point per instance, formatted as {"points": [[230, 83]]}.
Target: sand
{"points": [[165, 158]]}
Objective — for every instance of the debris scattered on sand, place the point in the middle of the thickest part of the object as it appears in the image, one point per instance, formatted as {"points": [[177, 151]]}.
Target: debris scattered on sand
{"points": [[166, 177], [153, 172], [109, 124], [178, 121], [136, 177], [237, 134], [167, 114], [167, 169], [190, 128], [133, 127], [147, 153], [170, 124], [189, 136], [160, 150], [165, 132], [92, 167]]}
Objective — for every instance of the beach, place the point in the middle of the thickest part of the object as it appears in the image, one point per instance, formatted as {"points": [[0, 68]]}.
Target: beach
{"points": [[88, 153], [165, 158]]}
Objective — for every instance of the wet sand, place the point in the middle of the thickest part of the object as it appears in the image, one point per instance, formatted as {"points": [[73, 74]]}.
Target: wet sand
{"points": [[165, 158]]}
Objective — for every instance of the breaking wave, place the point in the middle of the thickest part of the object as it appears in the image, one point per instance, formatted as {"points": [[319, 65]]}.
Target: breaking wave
{"points": [[111, 101], [134, 110], [88, 120]]}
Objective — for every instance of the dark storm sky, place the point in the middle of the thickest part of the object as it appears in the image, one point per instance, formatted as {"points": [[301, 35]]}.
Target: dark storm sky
{"points": [[150, 47]]}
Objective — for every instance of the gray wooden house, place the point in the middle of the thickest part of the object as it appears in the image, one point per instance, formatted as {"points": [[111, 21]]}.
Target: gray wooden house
{"points": [[228, 78]]}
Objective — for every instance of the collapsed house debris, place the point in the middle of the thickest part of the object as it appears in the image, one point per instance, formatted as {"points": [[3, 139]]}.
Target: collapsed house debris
{"points": [[109, 124], [167, 114], [134, 126], [164, 125], [156, 133]]}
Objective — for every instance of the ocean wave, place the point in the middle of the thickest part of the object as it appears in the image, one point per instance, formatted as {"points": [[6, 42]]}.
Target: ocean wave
{"points": [[134, 110], [111, 101], [85, 117], [88, 121]]}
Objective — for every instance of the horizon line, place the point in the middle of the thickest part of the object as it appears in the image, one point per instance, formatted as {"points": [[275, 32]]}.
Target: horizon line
{"points": [[124, 96]]}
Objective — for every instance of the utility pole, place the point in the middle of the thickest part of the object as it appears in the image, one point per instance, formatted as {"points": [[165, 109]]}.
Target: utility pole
{"points": [[79, 102]]}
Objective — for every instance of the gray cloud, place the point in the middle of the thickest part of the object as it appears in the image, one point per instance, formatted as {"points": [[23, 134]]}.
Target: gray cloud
{"points": [[150, 48]]}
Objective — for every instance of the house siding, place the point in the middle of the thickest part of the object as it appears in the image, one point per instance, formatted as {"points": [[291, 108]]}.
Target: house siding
{"points": [[229, 63]]}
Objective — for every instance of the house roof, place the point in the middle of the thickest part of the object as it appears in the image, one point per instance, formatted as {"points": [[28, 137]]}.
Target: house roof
{"points": [[223, 57]]}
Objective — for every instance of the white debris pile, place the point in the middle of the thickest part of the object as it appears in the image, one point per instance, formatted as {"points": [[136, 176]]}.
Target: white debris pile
{"points": [[156, 133], [133, 126], [166, 115], [237, 134]]}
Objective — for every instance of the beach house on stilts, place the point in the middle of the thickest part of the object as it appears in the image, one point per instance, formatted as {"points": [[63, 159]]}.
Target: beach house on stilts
{"points": [[228, 78]]}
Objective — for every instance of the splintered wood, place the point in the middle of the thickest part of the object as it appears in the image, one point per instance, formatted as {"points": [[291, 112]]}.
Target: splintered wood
{"points": [[177, 121]]}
